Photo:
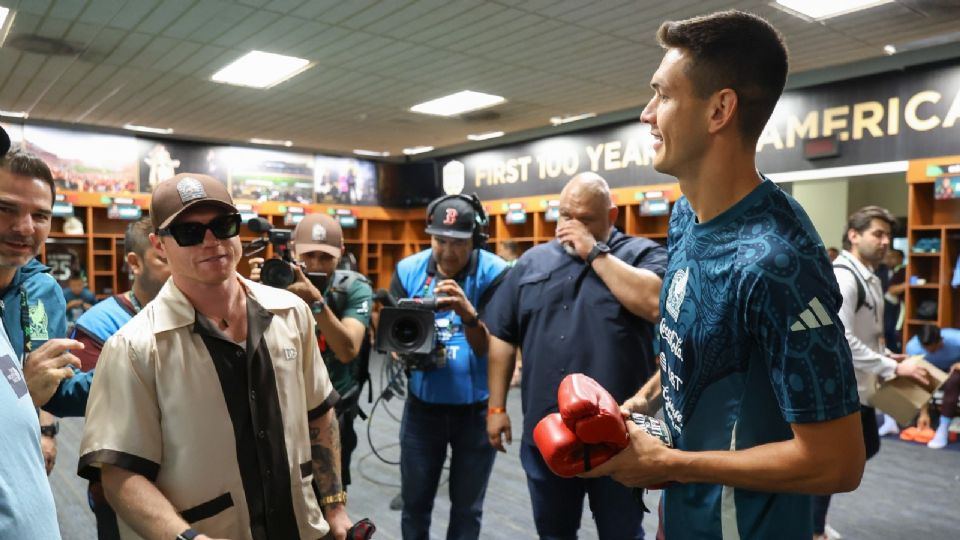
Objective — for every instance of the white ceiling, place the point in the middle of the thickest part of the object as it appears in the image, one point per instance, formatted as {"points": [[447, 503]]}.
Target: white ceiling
{"points": [[149, 62]]}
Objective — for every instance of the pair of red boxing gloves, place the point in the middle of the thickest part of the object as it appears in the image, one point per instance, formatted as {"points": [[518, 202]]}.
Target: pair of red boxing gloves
{"points": [[589, 429]]}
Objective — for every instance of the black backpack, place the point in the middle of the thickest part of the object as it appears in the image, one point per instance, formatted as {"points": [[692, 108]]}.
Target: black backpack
{"points": [[343, 281], [861, 288]]}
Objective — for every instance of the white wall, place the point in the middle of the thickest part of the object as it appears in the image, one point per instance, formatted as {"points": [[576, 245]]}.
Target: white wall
{"points": [[826, 203]]}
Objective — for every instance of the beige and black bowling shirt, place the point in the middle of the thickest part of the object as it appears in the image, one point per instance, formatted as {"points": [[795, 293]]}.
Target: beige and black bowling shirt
{"points": [[220, 428]]}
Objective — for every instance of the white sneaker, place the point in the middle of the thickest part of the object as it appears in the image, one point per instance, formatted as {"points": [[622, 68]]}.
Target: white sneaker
{"points": [[955, 425], [889, 426], [832, 533], [937, 443]]}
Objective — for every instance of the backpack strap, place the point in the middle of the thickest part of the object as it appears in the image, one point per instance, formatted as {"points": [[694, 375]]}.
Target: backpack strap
{"points": [[343, 281], [861, 288]]}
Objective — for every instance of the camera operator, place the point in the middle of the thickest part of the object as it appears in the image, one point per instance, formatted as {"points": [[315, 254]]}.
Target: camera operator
{"points": [[447, 406], [341, 302]]}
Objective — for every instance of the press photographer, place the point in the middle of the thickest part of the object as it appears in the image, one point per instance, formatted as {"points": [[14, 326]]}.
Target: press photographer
{"points": [[340, 301], [459, 275]]}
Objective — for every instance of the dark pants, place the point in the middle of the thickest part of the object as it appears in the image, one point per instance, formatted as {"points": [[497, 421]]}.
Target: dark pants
{"points": [[346, 415], [425, 433], [951, 393], [107, 528], [558, 502], [871, 443]]}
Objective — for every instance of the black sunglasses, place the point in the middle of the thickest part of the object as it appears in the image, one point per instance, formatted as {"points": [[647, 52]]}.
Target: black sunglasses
{"points": [[191, 233]]}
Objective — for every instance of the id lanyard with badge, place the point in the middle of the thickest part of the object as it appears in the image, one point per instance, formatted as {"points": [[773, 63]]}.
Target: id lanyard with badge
{"points": [[446, 328]]}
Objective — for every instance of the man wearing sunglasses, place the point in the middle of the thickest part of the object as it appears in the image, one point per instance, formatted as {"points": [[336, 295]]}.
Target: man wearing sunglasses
{"points": [[211, 415]]}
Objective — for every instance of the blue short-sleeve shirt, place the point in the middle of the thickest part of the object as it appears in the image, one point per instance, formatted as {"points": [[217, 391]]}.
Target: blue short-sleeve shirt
{"points": [[750, 343], [566, 320], [464, 379]]}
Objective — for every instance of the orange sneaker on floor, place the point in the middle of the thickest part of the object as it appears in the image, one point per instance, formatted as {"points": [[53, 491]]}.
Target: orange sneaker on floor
{"points": [[924, 436], [909, 434]]}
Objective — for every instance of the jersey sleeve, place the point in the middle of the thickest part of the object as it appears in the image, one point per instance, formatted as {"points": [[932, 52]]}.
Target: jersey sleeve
{"points": [[359, 302], [123, 416], [792, 316]]}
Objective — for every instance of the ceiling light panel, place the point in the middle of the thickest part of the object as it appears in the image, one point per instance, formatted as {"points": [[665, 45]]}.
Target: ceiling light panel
{"points": [[458, 103], [824, 9], [258, 69]]}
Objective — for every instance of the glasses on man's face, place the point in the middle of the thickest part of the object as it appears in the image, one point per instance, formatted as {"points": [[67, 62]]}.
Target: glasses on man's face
{"points": [[191, 233]]}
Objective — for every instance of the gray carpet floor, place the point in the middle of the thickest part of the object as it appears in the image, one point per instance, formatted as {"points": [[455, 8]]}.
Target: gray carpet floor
{"points": [[908, 491]]}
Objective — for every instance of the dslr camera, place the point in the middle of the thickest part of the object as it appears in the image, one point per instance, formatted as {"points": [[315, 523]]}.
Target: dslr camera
{"points": [[278, 270], [408, 327]]}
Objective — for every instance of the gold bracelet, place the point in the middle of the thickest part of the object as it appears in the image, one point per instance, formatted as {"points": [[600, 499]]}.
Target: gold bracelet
{"points": [[336, 498]]}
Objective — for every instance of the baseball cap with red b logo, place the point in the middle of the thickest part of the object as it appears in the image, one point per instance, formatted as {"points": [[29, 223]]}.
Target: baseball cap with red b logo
{"points": [[452, 218]]}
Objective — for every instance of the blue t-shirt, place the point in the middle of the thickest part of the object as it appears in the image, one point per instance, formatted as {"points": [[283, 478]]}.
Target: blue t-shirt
{"points": [[945, 356], [750, 342], [464, 379], [26, 503]]}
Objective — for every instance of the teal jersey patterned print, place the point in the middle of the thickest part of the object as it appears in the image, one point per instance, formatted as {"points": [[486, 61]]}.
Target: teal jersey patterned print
{"points": [[750, 342]]}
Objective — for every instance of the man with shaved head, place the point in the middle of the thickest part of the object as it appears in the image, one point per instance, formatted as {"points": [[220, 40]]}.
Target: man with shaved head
{"points": [[583, 303]]}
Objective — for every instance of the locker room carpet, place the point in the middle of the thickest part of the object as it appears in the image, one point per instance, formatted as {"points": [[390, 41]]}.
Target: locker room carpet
{"points": [[908, 491]]}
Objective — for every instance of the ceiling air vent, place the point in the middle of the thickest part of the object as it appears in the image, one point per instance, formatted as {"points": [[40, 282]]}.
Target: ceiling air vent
{"points": [[43, 45]]}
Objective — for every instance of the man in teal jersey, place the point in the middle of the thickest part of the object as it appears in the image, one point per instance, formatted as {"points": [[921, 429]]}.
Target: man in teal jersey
{"points": [[341, 301], [756, 379]]}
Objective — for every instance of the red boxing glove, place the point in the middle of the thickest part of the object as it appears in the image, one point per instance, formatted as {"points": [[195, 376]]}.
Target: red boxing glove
{"points": [[591, 412], [564, 453]]}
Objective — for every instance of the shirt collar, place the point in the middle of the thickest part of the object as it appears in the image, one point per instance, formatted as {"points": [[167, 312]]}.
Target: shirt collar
{"points": [[862, 269], [171, 309]]}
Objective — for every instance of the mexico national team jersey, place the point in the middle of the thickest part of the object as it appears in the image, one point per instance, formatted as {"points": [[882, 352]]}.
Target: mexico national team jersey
{"points": [[751, 342]]}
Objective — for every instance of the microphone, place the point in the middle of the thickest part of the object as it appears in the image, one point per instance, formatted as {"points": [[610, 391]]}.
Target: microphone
{"points": [[259, 225], [385, 298]]}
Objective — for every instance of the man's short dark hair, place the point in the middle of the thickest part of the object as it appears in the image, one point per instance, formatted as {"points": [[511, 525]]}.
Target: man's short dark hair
{"points": [[929, 335], [510, 245], [21, 163], [899, 252], [137, 237], [737, 50], [861, 219]]}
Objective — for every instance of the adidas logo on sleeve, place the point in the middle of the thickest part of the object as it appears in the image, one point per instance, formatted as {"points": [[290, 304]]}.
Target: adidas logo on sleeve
{"points": [[812, 317]]}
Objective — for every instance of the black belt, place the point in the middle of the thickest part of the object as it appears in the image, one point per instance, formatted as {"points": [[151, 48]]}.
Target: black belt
{"points": [[453, 408]]}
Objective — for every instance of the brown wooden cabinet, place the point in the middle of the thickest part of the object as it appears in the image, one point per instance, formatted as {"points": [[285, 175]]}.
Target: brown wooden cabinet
{"points": [[934, 242], [380, 239]]}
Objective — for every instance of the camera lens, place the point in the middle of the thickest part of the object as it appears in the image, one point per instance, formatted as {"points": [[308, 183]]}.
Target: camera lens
{"points": [[406, 332], [277, 273]]}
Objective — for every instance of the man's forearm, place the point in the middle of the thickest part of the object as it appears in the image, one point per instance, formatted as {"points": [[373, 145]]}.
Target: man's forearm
{"points": [[141, 504], [325, 451], [344, 340], [500, 363], [791, 466], [652, 393], [477, 338], [637, 289]]}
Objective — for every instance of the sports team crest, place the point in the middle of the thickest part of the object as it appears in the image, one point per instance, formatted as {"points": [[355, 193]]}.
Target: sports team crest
{"points": [[190, 189], [678, 289]]}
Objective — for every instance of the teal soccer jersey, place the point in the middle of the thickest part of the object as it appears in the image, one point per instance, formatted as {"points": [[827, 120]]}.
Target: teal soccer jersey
{"points": [[750, 342]]}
